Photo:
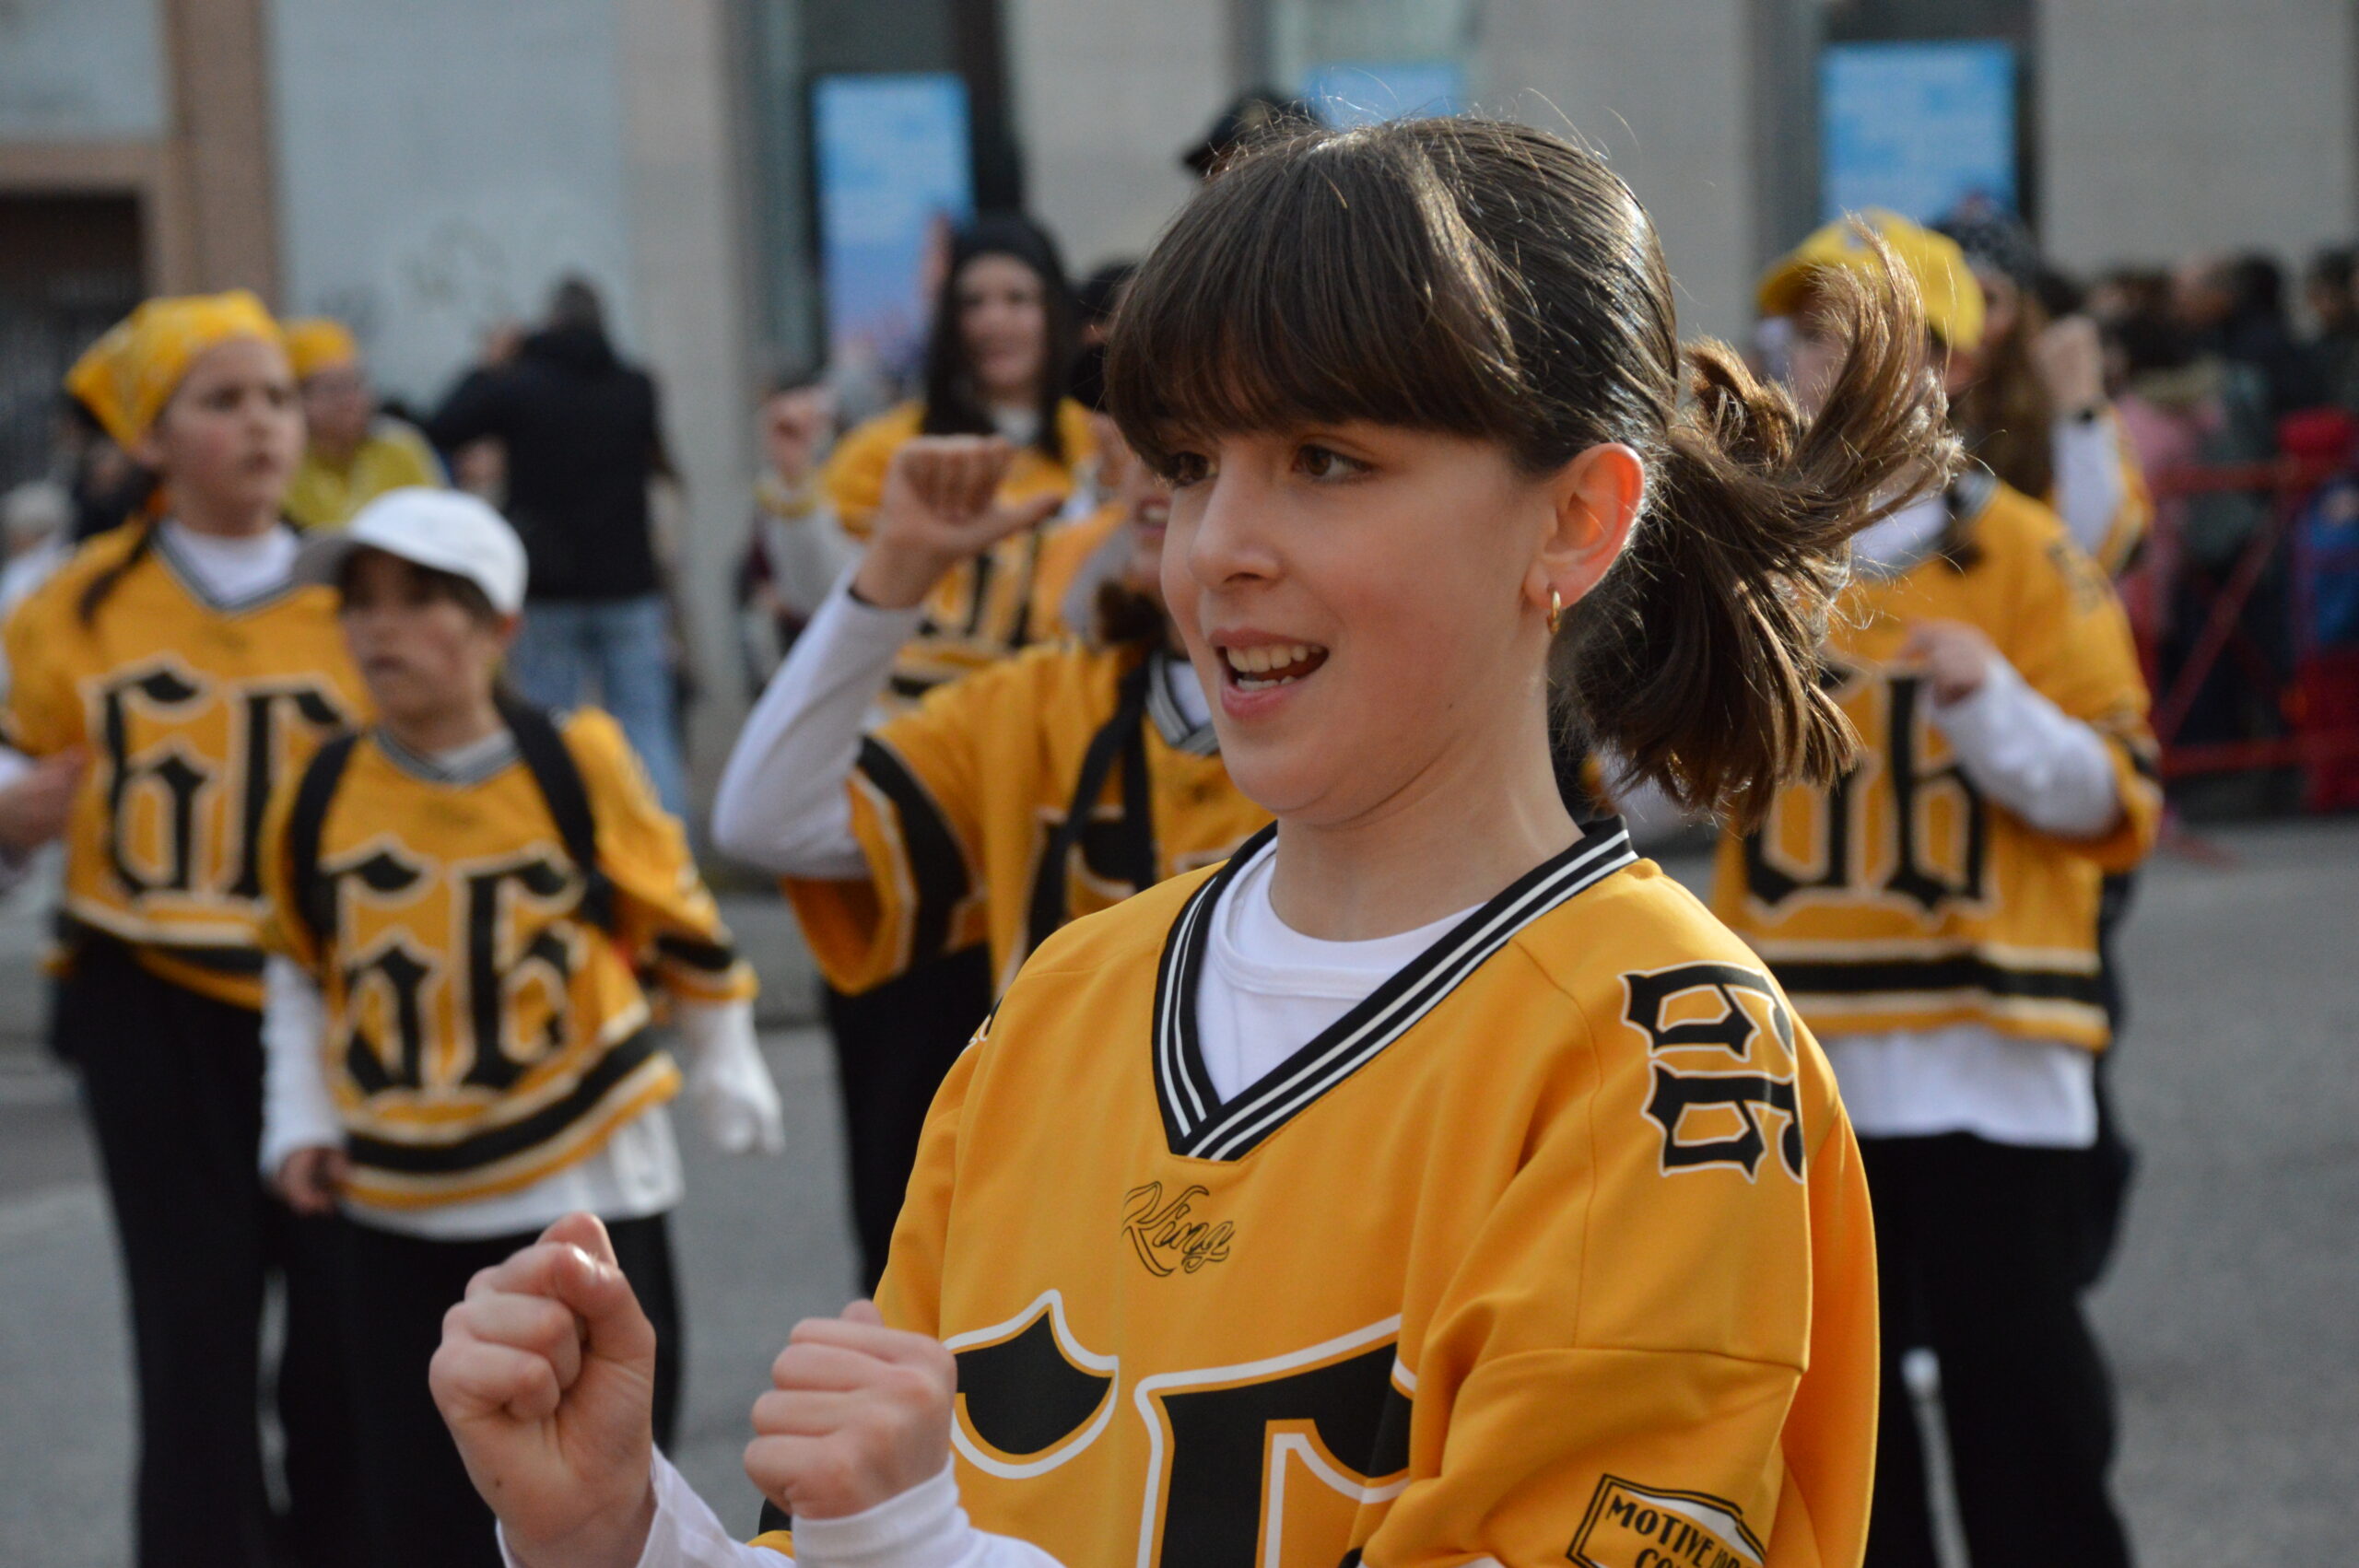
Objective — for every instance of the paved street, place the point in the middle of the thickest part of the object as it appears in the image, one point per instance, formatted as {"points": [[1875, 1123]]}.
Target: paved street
{"points": [[2229, 1317]]}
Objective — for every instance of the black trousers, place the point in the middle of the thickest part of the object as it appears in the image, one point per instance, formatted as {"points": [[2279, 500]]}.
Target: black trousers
{"points": [[894, 1045], [172, 1083], [418, 1505], [1980, 1252]]}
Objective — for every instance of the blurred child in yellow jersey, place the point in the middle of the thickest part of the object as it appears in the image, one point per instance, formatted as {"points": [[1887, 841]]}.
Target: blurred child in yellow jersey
{"points": [[1000, 344], [1934, 914], [1002, 341], [162, 683], [462, 900], [352, 453], [1002, 806]]}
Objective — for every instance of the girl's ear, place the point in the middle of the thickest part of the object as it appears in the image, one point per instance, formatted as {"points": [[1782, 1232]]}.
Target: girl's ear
{"points": [[1596, 499]]}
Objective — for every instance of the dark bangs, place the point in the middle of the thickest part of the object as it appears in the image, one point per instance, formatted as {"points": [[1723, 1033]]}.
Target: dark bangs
{"points": [[1325, 277]]}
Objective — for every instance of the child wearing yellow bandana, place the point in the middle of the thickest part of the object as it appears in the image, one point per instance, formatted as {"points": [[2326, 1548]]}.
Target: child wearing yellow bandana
{"points": [[166, 677], [354, 453]]}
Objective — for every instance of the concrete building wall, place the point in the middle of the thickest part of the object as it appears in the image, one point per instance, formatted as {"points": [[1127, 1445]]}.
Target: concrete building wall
{"points": [[81, 69], [1665, 91], [1106, 94], [2171, 128], [442, 163]]}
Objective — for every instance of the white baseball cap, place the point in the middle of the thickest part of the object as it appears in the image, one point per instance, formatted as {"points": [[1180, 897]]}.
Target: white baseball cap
{"points": [[448, 531]]}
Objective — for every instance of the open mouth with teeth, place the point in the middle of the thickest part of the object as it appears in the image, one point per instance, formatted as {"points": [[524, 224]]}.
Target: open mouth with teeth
{"points": [[1262, 668]]}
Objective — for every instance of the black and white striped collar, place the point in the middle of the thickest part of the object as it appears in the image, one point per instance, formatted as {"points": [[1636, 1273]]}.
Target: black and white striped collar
{"points": [[481, 762], [191, 579], [1171, 721], [1198, 1124]]}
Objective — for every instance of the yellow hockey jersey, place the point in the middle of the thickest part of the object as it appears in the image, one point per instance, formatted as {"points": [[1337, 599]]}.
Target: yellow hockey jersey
{"points": [[1900, 898], [392, 455], [964, 805], [982, 609], [481, 1033], [1556, 1248], [192, 712]]}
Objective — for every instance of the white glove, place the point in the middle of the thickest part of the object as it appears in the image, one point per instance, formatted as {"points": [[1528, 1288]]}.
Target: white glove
{"points": [[728, 1083]]}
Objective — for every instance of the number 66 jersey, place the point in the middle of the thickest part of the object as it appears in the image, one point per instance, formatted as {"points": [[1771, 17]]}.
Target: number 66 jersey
{"points": [[1553, 1248], [194, 709]]}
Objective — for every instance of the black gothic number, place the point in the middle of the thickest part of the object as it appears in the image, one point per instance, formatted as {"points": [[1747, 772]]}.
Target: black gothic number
{"points": [[1910, 876], [180, 778], [402, 973], [263, 713], [1212, 1510], [1676, 1093], [493, 976]]}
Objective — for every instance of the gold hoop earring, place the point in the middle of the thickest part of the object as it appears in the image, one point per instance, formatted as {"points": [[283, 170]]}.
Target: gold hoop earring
{"points": [[1555, 610]]}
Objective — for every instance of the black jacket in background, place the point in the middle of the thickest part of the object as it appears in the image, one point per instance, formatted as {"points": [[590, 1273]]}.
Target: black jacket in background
{"points": [[583, 442]]}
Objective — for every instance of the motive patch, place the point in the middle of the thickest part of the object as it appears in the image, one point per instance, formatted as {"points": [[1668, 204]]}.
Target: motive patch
{"points": [[1642, 1527]]}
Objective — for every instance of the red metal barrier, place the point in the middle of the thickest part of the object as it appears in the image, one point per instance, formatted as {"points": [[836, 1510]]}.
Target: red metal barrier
{"points": [[2320, 738]]}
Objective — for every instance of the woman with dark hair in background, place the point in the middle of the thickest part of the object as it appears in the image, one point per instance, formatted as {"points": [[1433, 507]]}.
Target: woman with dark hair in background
{"points": [[2036, 411], [1003, 340]]}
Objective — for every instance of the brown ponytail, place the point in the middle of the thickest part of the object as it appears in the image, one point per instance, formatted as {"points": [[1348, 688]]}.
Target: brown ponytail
{"points": [[1695, 661], [1490, 280], [99, 589]]}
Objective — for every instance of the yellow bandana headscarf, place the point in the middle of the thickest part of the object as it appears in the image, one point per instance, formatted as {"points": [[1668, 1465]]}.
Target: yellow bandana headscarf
{"points": [[126, 378], [316, 344]]}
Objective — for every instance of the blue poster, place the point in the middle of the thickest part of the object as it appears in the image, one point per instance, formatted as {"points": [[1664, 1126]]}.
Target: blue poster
{"points": [[1364, 92], [895, 180], [1916, 127]]}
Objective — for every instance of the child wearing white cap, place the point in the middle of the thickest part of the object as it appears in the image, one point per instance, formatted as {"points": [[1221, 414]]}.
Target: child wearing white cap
{"points": [[463, 900]]}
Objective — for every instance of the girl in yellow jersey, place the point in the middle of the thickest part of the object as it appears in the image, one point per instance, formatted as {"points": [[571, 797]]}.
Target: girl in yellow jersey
{"points": [[1436, 1183], [459, 1045], [1004, 805], [165, 680], [355, 454], [1002, 339], [996, 361], [1934, 914], [2035, 411]]}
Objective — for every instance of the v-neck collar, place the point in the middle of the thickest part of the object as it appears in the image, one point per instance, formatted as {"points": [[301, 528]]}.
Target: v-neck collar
{"points": [[494, 761], [1200, 1125], [191, 581]]}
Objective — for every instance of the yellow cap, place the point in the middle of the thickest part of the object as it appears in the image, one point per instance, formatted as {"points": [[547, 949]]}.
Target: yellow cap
{"points": [[1953, 299], [316, 344], [127, 377]]}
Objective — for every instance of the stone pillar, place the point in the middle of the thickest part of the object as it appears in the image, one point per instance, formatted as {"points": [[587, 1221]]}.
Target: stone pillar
{"points": [[1666, 93], [223, 232], [686, 198]]}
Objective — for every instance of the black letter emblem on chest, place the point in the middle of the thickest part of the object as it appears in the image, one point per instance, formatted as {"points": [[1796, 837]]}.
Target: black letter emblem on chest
{"points": [[1725, 1106]]}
